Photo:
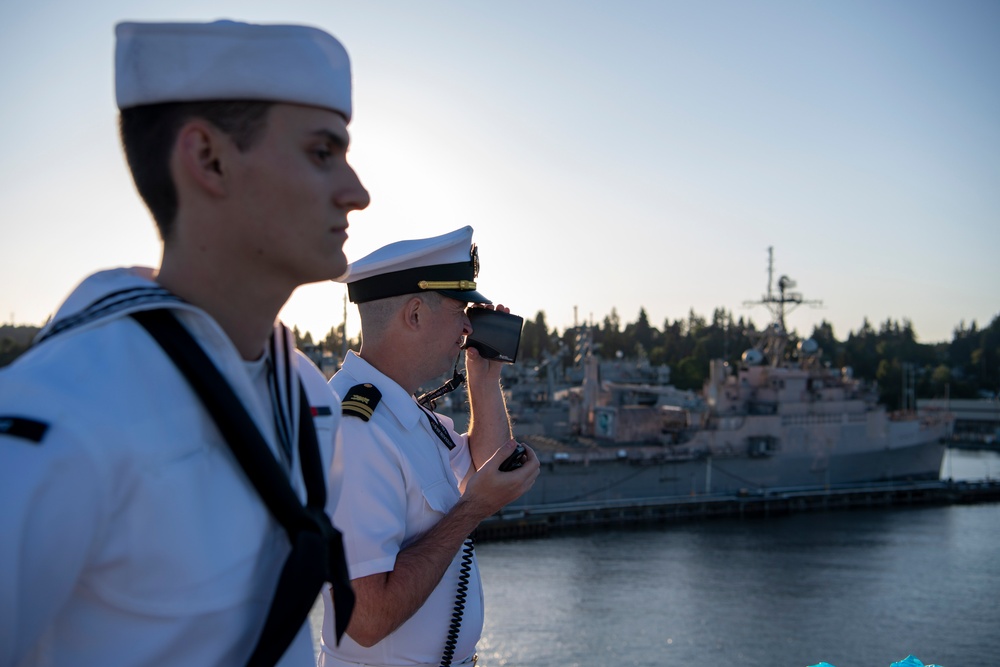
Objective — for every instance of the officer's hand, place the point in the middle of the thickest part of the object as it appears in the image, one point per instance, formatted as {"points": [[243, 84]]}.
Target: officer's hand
{"points": [[491, 488], [483, 373]]}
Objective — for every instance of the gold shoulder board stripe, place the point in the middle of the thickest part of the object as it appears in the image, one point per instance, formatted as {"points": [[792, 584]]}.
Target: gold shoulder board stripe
{"points": [[361, 401]]}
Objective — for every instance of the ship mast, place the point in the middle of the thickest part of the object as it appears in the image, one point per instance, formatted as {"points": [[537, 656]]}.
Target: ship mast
{"points": [[774, 338]]}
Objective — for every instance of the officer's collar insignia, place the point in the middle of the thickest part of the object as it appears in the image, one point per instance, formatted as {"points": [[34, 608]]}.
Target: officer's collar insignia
{"points": [[20, 427], [361, 401]]}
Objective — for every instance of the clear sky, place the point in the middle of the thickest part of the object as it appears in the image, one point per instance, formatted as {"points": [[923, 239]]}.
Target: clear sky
{"points": [[634, 154]]}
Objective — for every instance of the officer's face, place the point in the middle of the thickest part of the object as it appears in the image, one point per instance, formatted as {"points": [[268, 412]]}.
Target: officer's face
{"points": [[293, 190], [451, 325]]}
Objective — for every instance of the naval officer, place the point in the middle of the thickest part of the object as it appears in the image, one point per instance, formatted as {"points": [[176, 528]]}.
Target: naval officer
{"points": [[131, 535], [411, 489]]}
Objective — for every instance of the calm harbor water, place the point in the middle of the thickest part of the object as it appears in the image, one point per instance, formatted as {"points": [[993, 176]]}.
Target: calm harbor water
{"points": [[855, 589]]}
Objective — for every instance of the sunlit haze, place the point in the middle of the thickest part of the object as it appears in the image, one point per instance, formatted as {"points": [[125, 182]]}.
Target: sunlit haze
{"points": [[619, 155]]}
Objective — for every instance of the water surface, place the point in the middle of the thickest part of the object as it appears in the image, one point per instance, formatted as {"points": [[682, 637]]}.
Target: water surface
{"points": [[862, 588]]}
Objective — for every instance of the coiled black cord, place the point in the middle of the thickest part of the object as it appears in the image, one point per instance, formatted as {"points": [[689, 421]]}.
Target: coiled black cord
{"points": [[462, 593]]}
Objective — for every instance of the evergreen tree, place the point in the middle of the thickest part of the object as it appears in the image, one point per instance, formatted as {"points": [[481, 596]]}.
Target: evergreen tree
{"points": [[535, 338], [609, 337]]}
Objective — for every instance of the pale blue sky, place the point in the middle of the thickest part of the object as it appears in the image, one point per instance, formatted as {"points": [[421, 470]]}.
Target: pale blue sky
{"points": [[628, 155]]}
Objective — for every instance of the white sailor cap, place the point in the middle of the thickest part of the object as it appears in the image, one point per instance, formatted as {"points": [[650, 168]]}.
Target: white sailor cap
{"points": [[226, 60], [448, 264]]}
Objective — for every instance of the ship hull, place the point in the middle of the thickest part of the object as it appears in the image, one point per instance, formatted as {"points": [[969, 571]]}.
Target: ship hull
{"points": [[644, 477]]}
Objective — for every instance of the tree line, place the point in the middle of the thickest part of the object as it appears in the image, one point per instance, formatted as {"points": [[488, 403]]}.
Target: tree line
{"points": [[889, 356]]}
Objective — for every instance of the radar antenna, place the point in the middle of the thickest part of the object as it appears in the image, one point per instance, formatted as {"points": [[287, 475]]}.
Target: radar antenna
{"points": [[774, 339]]}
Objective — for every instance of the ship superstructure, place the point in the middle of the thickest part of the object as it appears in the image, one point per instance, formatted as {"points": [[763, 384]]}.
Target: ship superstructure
{"points": [[774, 421]]}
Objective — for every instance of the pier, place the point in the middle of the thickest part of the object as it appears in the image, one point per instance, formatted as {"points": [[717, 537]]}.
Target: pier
{"points": [[542, 520]]}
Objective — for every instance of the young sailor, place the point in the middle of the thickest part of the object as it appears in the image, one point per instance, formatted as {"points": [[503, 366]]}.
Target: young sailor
{"points": [[131, 535]]}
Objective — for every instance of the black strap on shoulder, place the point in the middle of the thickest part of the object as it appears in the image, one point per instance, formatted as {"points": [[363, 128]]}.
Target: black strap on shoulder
{"points": [[317, 554]]}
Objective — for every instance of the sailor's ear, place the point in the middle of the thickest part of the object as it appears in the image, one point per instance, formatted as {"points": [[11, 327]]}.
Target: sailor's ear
{"points": [[199, 156]]}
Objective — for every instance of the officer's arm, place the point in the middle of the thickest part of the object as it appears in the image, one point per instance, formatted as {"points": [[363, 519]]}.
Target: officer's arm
{"points": [[489, 423], [384, 601]]}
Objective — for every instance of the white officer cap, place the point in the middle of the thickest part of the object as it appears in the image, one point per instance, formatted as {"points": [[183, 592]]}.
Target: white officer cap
{"points": [[448, 264], [226, 60]]}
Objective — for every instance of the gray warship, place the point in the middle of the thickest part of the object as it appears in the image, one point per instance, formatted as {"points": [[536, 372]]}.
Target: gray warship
{"points": [[774, 422]]}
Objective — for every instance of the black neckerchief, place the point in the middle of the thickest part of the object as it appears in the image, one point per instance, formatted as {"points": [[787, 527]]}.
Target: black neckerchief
{"points": [[317, 553]]}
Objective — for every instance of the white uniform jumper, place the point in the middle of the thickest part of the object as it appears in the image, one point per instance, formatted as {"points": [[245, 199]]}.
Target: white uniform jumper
{"points": [[396, 480], [130, 535]]}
